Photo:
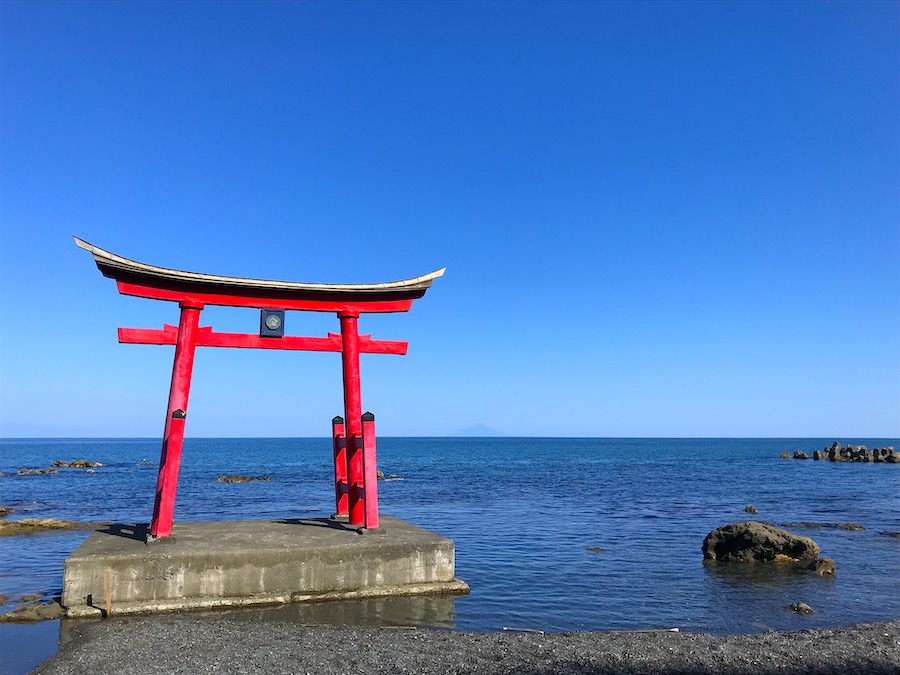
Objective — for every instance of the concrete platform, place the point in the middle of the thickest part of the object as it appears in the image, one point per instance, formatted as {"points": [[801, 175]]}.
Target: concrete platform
{"points": [[238, 563]]}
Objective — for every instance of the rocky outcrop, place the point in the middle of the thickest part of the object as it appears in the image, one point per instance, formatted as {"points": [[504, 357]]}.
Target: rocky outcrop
{"points": [[34, 472], [9, 528], [799, 454], [5, 511], [241, 479], [824, 567], [33, 612], [751, 541], [76, 464], [750, 508]]}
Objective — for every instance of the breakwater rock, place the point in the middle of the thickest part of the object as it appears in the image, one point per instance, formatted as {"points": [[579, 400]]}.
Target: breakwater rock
{"points": [[851, 453]]}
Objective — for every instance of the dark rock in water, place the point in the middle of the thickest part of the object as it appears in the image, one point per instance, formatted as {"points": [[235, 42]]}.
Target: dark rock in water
{"points": [[750, 508], [801, 608], [379, 473], [806, 525], [5, 511], [30, 598], [241, 479], [819, 454], [892, 459], [822, 567], [9, 528], [849, 526], [751, 541], [76, 464], [3, 599], [785, 455], [890, 534], [836, 446], [595, 549], [33, 612], [799, 454], [34, 472]]}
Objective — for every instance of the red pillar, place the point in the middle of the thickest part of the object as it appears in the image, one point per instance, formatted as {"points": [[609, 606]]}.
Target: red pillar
{"points": [[173, 435], [370, 471], [352, 415], [340, 466]]}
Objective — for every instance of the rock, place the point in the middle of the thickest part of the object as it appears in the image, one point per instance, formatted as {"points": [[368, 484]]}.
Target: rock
{"points": [[595, 549], [785, 455], [819, 454], [379, 473], [5, 511], [241, 479], [849, 526], [35, 611], [805, 525], [801, 608], [836, 446], [799, 454], [890, 534], [9, 528], [751, 541], [34, 472], [83, 464], [892, 459], [59, 463], [30, 598], [822, 567], [750, 508], [3, 599]]}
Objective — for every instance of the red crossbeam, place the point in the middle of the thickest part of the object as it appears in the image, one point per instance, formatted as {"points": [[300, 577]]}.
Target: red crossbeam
{"points": [[206, 337]]}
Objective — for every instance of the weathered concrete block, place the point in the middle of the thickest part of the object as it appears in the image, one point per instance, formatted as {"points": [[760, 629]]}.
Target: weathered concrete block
{"points": [[232, 563]]}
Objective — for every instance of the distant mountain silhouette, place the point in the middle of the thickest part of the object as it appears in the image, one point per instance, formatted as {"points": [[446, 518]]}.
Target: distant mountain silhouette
{"points": [[479, 430]]}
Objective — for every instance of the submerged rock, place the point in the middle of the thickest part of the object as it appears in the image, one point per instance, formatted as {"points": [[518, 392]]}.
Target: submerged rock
{"points": [[751, 541], [9, 528], [5, 511], [34, 472], [890, 534], [750, 508], [241, 479], [801, 608], [595, 549], [823, 567], [33, 612], [849, 526]]}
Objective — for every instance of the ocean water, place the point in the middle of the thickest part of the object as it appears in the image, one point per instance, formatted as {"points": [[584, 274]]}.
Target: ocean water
{"points": [[522, 512]]}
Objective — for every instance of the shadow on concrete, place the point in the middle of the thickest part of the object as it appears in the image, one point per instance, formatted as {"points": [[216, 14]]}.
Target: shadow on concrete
{"points": [[136, 531], [319, 522]]}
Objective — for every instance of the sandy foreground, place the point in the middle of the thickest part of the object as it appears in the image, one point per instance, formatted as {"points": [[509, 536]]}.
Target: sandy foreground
{"points": [[192, 644]]}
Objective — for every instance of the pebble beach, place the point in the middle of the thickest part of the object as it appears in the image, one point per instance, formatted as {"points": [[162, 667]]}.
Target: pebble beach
{"points": [[201, 644]]}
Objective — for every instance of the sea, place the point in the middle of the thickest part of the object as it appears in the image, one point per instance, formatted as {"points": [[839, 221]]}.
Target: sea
{"points": [[525, 514]]}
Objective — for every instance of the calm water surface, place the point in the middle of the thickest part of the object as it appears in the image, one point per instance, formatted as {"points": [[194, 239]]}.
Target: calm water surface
{"points": [[522, 513]]}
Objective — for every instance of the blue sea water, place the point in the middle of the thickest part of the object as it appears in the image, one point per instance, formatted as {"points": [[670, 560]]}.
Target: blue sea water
{"points": [[522, 512]]}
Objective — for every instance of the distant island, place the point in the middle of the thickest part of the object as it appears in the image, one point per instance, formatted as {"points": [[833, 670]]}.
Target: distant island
{"points": [[479, 430]]}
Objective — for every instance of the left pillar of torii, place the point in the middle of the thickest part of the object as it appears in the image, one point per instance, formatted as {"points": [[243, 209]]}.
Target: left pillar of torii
{"points": [[356, 494]]}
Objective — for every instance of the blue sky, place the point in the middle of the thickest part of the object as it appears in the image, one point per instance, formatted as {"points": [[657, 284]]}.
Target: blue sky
{"points": [[658, 219]]}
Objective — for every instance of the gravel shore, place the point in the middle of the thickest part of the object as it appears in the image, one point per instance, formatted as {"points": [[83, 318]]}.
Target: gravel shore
{"points": [[192, 644]]}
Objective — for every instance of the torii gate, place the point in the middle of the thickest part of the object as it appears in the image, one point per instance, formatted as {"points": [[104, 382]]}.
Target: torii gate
{"points": [[356, 487]]}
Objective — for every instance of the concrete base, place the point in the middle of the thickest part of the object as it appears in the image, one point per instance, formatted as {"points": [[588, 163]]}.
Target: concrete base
{"points": [[236, 563]]}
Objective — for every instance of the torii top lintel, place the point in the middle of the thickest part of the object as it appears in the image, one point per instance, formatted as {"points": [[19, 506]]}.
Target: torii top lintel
{"points": [[161, 283]]}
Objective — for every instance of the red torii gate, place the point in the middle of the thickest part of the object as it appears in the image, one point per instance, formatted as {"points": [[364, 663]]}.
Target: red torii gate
{"points": [[356, 491]]}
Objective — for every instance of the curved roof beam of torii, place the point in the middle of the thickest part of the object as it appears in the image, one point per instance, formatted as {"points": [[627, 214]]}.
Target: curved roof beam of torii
{"points": [[130, 271]]}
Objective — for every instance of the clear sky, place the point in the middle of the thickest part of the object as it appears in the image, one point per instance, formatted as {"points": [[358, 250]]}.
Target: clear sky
{"points": [[658, 219]]}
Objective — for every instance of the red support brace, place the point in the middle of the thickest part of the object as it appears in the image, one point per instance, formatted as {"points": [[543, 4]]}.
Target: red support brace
{"points": [[370, 471], [173, 435], [352, 414], [340, 466]]}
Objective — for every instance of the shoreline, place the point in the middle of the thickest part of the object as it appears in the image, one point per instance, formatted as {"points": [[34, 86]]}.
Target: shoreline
{"points": [[188, 643]]}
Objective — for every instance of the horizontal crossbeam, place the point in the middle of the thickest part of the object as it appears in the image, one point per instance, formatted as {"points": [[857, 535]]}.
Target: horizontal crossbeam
{"points": [[206, 337], [334, 304]]}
